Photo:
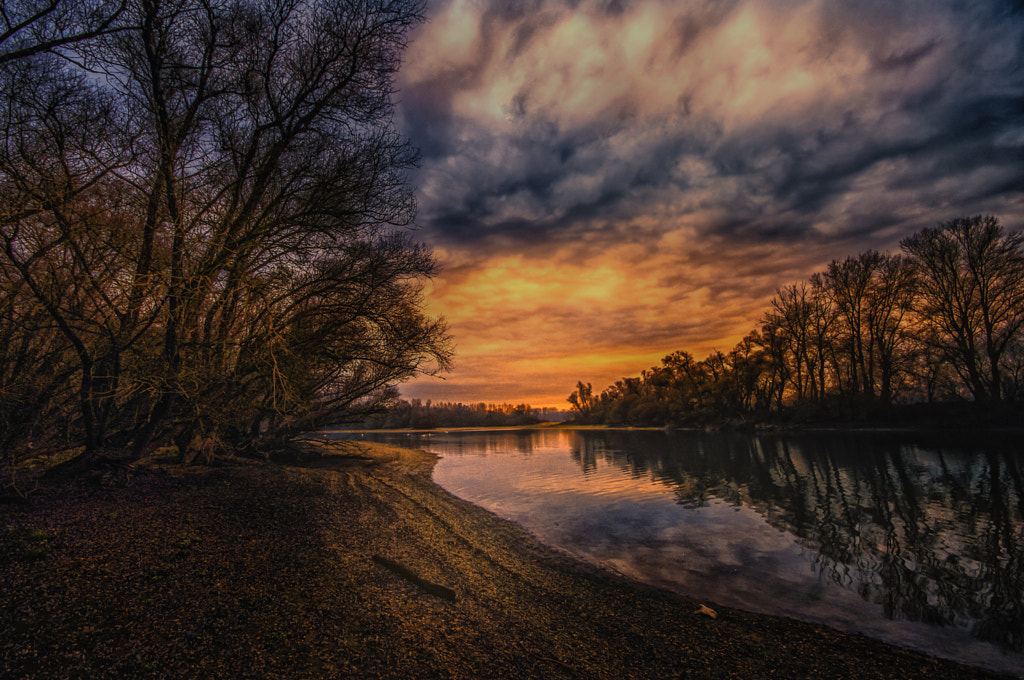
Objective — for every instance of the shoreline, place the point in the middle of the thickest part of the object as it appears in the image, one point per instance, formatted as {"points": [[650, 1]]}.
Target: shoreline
{"points": [[753, 428], [323, 567]]}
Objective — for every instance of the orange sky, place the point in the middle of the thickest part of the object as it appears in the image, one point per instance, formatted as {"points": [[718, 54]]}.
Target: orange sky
{"points": [[605, 182]]}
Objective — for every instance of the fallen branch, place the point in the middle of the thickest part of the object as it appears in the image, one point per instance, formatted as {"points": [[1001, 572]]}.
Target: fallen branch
{"points": [[407, 574]]}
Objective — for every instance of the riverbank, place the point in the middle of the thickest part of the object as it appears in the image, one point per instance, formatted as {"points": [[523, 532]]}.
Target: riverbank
{"points": [[355, 565], [944, 417]]}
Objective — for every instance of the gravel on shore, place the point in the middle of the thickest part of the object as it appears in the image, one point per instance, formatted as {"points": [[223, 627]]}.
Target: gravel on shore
{"points": [[349, 562]]}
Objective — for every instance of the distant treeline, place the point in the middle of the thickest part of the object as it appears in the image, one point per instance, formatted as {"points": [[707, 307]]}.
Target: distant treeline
{"points": [[424, 416], [942, 321]]}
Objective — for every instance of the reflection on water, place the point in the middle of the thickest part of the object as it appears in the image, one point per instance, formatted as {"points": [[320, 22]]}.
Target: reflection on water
{"points": [[918, 542]]}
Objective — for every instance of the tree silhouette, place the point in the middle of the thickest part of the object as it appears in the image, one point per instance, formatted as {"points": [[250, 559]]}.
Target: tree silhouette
{"points": [[32, 27], [206, 200], [871, 331], [582, 400], [972, 299]]}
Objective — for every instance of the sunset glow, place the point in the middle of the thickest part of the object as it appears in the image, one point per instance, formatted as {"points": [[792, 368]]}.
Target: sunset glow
{"points": [[607, 182]]}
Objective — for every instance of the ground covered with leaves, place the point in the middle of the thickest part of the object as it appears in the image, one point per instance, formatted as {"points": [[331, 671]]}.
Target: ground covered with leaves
{"points": [[354, 565]]}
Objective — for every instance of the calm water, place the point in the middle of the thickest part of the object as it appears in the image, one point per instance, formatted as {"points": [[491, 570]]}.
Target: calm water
{"points": [[916, 542]]}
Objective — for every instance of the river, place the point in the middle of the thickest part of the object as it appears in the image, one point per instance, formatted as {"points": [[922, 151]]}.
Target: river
{"points": [[915, 540]]}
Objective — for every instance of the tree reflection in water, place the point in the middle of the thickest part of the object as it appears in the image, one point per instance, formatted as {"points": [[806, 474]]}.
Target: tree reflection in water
{"points": [[931, 532]]}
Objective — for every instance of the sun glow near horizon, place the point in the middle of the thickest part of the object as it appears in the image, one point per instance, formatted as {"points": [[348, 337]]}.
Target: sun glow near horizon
{"points": [[526, 332]]}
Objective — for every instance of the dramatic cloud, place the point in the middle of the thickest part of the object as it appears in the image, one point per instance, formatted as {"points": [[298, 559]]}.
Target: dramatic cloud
{"points": [[607, 181]]}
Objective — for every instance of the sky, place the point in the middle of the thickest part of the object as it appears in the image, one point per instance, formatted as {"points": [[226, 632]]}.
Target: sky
{"points": [[605, 182]]}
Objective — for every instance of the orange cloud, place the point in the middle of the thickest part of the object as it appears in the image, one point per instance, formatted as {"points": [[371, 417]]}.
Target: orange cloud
{"points": [[527, 327], [744, 65]]}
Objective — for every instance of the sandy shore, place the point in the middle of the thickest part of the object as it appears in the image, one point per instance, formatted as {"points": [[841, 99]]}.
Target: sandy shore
{"points": [[355, 565]]}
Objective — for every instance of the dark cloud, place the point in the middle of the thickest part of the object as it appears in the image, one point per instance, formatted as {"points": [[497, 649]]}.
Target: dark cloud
{"points": [[904, 59], [714, 149]]}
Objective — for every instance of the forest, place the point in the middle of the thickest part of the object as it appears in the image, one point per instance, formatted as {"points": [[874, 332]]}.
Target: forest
{"points": [[204, 223], [941, 322]]}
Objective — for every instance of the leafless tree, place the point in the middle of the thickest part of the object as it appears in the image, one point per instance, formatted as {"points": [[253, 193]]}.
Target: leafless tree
{"points": [[32, 27], [848, 283], [972, 296], [208, 203], [872, 294], [791, 315], [891, 301], [62, 221]]}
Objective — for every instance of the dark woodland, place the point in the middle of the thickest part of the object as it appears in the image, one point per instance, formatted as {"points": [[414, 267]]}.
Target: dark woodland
{"points": [[204, 223]]}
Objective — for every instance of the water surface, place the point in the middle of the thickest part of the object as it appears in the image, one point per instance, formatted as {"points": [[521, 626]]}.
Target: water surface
{"points": [[913, 541]]}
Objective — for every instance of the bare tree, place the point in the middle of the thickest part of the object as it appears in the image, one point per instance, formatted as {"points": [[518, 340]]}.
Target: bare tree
{"points": [[749, 366], [62, 221], [848, 283], [36, 369], [872, 294], [891, 300], [822, 340], [775, 345], [972, 296], [792, 314], [32, 27], [226, 225]]}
